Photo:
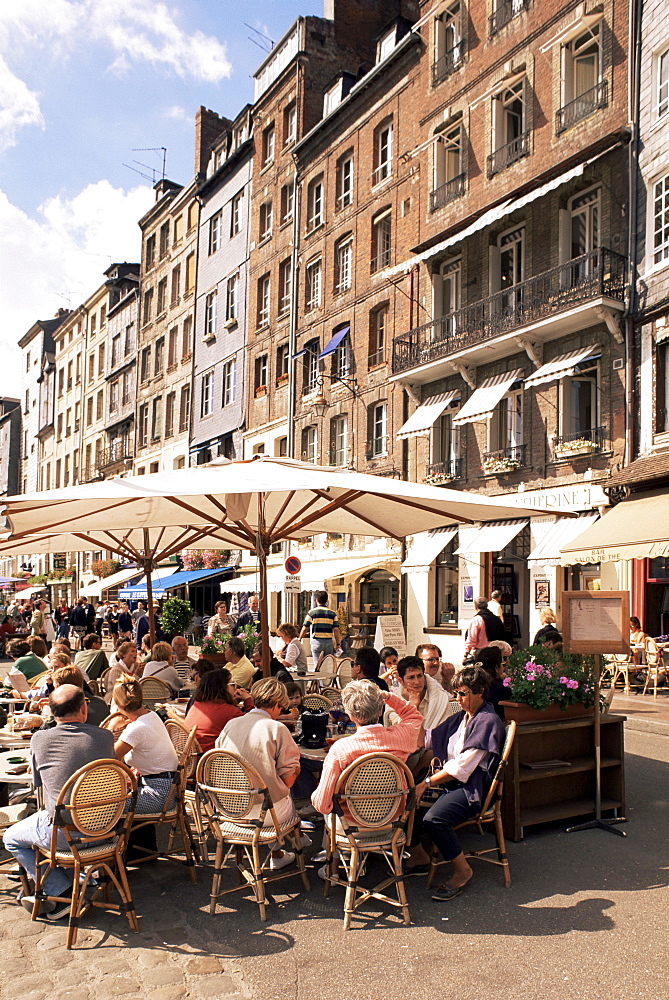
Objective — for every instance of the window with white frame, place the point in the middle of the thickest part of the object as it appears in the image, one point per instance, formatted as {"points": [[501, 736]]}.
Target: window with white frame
{"points": [[445, 445], [313, 285], [579, 404], [289, 123], [310, 369], [511, 268], [345, 180], [448, 42], [262, 317], [381, 240], [287, 202], [261, 372], [446, 285], [215, 232], [265, 220], [268, 145], [343, 264], [583, 90], [662, 83], [510, 139], [386, 44], [207, 394], [341, 358], [156, 418], [210, 303], [378, 430], [378, 334], [229, 382], [315, 203], [231, 298], [505, 428], [584, 234], [236, 213], [282, 356], [159, 356], [285, 284], [383, 151], [339, 440], [172, 347], [184, 408], [504, 11], [170, 401], [161, 298], [660, 202], [310, 444], [448, 178], [662, 388], [143, 425]]}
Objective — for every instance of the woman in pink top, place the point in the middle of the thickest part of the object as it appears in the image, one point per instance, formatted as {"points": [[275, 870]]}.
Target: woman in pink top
{"points": [[214, 706]]}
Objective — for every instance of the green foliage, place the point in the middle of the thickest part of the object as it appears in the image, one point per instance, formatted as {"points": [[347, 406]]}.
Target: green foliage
{"points": [[539, 677], [176, 616]]}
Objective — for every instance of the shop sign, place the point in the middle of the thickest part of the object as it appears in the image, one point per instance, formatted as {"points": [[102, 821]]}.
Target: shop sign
{"points": [[578, 496]]}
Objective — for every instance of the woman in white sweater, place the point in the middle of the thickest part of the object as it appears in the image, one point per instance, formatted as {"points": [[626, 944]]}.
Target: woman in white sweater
{"points": [[161, 665]]}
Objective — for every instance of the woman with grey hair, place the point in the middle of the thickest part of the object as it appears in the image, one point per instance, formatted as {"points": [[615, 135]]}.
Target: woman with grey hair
{"points": [[363, 702]]}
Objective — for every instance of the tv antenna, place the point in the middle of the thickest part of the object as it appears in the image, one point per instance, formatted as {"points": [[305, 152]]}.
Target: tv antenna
{"points": [[153, 170], [261, 34]]}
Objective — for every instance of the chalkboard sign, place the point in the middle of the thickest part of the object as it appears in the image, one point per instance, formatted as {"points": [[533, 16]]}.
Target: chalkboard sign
{"points": [[390, 632]]}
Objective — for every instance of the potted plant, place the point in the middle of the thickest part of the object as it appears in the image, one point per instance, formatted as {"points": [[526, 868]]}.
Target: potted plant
{"points": [[579, 446], [176, 616], [493, 466], [213, 647], [546, 684]]}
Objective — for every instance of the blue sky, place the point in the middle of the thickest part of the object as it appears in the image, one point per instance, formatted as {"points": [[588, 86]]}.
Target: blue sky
{"points": [[82, 82]]}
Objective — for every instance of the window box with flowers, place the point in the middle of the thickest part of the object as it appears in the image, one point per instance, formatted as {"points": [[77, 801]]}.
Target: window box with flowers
{"points": [[580, 446], [498, 466], [439, 479], [282, 380], [261, 390]]}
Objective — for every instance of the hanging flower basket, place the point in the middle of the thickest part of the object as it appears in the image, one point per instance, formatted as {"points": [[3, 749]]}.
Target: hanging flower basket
{"points": [[499, 465]]}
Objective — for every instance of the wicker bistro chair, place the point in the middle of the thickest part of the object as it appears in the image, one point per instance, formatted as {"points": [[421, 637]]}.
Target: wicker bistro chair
{"points": [[654, 665], [344, 671], [316, 701], [490, 812], [373, 811], [115, 723], [241, 816], [155, 691], [174, 814], [94, 812], [331, 693], [102, 680], [625, 667], [179, 734]]}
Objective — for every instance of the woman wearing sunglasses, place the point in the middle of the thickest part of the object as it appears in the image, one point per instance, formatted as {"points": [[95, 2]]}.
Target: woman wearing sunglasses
{"points": [[468, 745]]}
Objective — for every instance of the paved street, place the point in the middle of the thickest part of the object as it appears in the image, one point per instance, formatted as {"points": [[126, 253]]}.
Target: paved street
{"points": [[585, 917]]}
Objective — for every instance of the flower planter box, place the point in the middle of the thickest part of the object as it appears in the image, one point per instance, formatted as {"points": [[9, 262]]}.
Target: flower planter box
{"points": [[498, 466], [515, 711], [439, 479], [575, 448], [217, 658]]}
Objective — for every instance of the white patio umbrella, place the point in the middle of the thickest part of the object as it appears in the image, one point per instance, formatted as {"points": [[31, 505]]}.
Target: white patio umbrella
{"points": [[255, 504]]}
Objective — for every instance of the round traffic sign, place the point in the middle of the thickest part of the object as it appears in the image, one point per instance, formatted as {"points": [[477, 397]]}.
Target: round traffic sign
{"points": [[293, 565]]}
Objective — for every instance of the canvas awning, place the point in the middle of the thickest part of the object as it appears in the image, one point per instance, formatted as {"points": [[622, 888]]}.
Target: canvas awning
{"points": [[637, 528], [491, 537], [422, 419], [138, 592], [334, 342], [426, 547], [547, 551], [561, 367], [95, 588], [483, 400]]}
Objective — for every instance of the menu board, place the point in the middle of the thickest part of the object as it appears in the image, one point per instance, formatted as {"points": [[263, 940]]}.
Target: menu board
{"points": [[390, 632], [595, 621]]}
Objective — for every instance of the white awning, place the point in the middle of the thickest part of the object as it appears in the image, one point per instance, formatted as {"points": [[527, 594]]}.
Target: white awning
{"points": [[637, 528], [95, 588], [422, 419], [313, 575], [483, 400], [547, 551], [487, 219], [426, 547], [491, 537], [561, 367]]}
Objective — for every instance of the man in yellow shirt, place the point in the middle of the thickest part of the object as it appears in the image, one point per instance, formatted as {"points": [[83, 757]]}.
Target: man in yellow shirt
{"points": [[240, 667]]}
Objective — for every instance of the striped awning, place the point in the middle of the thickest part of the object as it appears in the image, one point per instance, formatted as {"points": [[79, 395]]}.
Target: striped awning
{"points": [[422, 420]]}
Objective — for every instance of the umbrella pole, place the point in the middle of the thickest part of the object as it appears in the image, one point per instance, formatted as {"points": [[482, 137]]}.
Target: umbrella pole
{"points": [[262, 549], [148, 568]]}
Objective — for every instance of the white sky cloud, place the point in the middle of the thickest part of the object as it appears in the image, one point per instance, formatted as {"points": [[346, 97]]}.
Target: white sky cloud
{"points": [[58, 258], [133, 32], [178, 113]]}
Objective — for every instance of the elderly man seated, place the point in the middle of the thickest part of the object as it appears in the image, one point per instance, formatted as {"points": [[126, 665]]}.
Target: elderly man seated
{"points": [[364, 704], [182, 661], [240, 667], [267, 746]]}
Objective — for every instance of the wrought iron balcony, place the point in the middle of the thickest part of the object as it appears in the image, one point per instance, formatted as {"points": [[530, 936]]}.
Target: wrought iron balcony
{"points": [[120, 452], [448, 63], [508, 154], [578, 443], [600, 273], [582, 107], [504, 12], [504, 460], [447, 192], [438, 473]]}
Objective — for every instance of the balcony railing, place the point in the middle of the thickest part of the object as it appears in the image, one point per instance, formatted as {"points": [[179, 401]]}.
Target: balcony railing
{"points": [[508, 154], [578, 443], [443, 472], [582, 107], [447, 192], [112, 456], [595, 274], [448, 63], [504, 12], [504, 460]]}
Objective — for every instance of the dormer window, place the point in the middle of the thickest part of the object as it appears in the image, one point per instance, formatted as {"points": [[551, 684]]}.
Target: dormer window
{"points": [[336, 93], [390, 38]]}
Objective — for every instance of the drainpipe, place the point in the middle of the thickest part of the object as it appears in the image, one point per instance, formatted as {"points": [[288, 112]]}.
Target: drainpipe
{"points": [[633, 184], [295, 264]]}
